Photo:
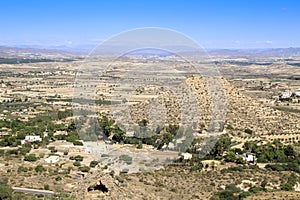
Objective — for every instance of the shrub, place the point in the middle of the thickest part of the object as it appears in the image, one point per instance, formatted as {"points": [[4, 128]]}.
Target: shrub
{"points": [[226, 195], [84, 169], [127, 159], [287, 187], [39, 168], [46, 187], [94, 163], [77, 158], [58, 178], [12, 151], [31, 158], [77, 163], [264, 183], [230, 157], [140, 145], [237, 168], [22, 169], [248, 131], [5, 192], [240, 160], [1, 152], [232, 188], [254, 190], [120, 179], [77, 143], [244, 195]]}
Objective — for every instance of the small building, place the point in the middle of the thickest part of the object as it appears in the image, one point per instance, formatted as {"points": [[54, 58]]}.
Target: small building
{"points": [[249, 157], [186, 156], [286, 94], [52, 159], [31, 138]]}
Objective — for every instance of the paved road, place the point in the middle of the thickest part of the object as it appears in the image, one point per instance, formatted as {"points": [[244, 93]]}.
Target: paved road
{"points": [[33, 191]]}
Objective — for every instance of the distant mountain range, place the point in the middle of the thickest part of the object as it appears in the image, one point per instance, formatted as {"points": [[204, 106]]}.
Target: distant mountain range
{"points": [[82, 50], [276, 52]]}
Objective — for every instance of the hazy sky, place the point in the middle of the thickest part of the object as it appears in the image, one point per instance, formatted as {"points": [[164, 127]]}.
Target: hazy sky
{"points": [[213, 24]]}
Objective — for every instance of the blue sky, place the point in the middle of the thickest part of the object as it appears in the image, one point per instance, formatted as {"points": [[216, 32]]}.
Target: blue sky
{"points": [[213, 24]]}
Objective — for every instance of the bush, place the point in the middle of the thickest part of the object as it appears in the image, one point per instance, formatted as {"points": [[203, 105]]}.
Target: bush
{"points": [[58, 178], [140, 145], [78, 143], [254, 190], [22, 169], [12, 151], [244, 195], [248, 131], [225, 195], [46, 187], [232, 188], [127, 159], [5, 192], [77, 158], [84, 169], [52, 149], [76, 163], [94, 163], [31, 158], [120, 179], [230, 157], [237, 168], [264, 183], [287, 187], [39, 168], [240, 160]]}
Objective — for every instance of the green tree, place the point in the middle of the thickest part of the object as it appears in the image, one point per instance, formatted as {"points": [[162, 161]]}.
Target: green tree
{"points": [[232, 188], [244, 195], [140, 145], [287, 187], [230, 157], [127, 159], [77, 163], [46, 187], [226, 195], [30, 157], [248, 131], [173, 129], [5, 192], [264, 183], [106, 125], [221, 145], [39, 168], [84, 169], [289, 151], [94, 163], [240, 160]]}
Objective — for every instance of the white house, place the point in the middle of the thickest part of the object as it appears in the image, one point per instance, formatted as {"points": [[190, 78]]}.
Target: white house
{"points": [[249, 157], [186, 156], [52, 159], [31, 138], [286, 94]]}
